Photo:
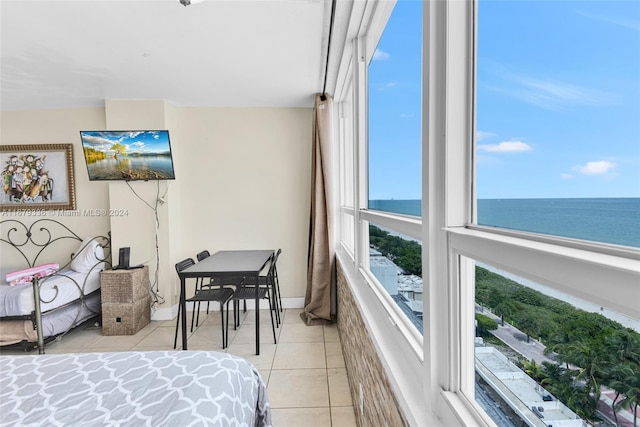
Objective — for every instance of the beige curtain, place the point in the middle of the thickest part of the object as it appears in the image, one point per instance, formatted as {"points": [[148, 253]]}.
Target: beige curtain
{"points": [[319, 306]]}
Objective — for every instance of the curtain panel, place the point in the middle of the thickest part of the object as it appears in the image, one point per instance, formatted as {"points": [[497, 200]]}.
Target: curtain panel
{"points": [[319, 306]]}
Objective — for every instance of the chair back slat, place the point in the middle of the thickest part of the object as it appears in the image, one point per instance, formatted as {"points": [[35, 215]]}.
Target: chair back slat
{"points": [[202, 255], [185, 263]]}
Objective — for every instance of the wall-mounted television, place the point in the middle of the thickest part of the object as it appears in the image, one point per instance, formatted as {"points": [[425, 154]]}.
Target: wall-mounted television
{"points": [[127, 155]]}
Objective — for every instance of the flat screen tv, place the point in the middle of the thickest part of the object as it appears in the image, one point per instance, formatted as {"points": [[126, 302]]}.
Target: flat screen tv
{"points": [[127, 155]]}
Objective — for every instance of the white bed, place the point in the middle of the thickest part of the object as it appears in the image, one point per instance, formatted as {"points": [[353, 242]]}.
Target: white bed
{"points": [[160, 388], [66, 286], [34, 312]]}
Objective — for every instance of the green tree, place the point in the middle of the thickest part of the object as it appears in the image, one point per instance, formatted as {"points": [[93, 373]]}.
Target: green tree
{"points": [[529, 297], [590, 361], [581, 402], [535, 371], [623, 348], [119, 148], [505, 308], [624, 345], [484, 324], [406, 254], [555, 374], [628, 384], [529, 323]]}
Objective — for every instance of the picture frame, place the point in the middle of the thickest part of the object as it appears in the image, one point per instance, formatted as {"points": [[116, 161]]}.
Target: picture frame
{"points": [[37, 177]]}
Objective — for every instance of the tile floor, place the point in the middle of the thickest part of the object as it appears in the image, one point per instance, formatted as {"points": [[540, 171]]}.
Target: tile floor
{"points": [[304, 372]]}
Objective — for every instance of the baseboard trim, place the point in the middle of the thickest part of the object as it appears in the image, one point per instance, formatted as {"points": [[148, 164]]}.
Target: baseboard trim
{"points": [[170, 313]]}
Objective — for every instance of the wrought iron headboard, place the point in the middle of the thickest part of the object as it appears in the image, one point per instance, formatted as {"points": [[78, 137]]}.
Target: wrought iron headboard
{"points": [[31, 241]]}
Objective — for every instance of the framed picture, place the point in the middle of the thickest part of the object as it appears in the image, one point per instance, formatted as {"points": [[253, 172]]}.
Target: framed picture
{"points": [[38, 176]]}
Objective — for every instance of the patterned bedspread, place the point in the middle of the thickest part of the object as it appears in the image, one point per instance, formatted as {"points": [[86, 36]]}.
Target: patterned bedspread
{"points": [[160, 388]]}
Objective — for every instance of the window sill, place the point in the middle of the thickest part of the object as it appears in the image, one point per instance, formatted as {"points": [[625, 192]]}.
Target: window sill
{"points": [[609, 277]]}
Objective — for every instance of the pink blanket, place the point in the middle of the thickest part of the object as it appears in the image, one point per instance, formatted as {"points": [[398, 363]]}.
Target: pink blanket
{"points": [[24, 276]]}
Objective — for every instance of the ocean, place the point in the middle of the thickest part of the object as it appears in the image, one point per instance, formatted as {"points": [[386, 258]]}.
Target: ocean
{"points": [[607, 220]]}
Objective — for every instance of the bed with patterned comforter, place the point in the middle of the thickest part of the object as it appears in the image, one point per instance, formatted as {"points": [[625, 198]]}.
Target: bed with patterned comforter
{"points": [[159, 388]]}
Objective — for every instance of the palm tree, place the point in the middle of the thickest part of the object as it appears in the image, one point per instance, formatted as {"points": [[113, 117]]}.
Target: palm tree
{"points": [[624, 348], [625, 344], [581, 402], [589, 359], [628, 385], [553, 372], [535, 371], [617, 383]]}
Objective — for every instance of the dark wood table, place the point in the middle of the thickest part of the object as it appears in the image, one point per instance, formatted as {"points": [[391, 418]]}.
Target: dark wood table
{"points": [[221, 265]]}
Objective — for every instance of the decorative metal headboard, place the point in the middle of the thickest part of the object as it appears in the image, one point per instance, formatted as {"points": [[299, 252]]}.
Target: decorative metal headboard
{"points": [[32, 241]]}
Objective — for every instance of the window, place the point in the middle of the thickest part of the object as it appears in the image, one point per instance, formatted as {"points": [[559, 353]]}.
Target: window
{"points": [[394, 113], [557, 118], [396, 262], [556, 150], [346, 170], [527, 333], [394, 84], [464, 181]]}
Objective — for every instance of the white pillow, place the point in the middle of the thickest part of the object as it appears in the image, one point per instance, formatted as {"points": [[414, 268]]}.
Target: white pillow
{"points": [[89, 254]]}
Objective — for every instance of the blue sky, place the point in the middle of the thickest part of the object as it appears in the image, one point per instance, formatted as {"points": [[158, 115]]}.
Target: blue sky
{"points": [[558, 101], [134, 141]]}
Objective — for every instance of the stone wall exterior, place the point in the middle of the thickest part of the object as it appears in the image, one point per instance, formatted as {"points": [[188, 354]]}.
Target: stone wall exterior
{"points": [[364, 369]]}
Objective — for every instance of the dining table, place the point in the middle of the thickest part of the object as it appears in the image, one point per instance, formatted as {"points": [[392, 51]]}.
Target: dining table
{"points": [[227, 264]]}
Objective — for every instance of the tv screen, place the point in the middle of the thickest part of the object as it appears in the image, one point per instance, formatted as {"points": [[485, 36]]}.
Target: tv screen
{"points": [[127, 155]]}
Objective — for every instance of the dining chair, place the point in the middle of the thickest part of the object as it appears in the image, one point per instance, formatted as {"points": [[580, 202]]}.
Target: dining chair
{"points": [[247, 291], [211, 284], [270, 281], [219, 295], [276, 285]]}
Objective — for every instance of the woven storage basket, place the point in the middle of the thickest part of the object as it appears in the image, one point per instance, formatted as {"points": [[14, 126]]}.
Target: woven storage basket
{"points": [[124, 286], [125, 318]]}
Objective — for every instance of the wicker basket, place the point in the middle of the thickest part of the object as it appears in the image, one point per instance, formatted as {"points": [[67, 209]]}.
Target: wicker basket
{"points": [[125, 318], [124, 286]]}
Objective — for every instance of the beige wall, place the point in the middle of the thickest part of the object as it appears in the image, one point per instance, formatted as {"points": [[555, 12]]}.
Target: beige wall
{"points": [[57, 127], [247, 184], [242, 181]]}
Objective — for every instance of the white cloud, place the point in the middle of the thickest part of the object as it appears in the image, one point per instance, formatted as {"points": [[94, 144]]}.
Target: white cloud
{"points": [[547, 92], [385, 86], [595, 168], [380, 55], [480, 135], [619, 21], [566, 176], [506, 147], [551, 94]]}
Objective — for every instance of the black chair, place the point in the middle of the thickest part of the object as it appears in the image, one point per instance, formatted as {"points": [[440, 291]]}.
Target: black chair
{"points": [[276, 285], [220, 295], [271, 282], [211, 284], [247, 291]]}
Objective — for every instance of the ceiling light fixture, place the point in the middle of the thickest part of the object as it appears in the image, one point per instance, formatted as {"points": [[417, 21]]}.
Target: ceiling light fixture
{"points": [[188, 2]]}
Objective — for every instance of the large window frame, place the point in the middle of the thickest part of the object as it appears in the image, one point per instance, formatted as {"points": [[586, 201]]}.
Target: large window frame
{"points": [[433, 375]]}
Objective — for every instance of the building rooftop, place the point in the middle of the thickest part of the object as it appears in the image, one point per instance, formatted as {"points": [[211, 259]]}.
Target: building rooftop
{"points": [[531, 402], [401, 301]]}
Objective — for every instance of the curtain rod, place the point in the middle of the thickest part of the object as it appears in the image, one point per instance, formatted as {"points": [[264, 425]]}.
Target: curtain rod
{"points": [[323, 97]]}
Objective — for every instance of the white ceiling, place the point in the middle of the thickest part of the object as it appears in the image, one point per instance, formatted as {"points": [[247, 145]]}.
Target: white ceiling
{"points": [[219, 53]]}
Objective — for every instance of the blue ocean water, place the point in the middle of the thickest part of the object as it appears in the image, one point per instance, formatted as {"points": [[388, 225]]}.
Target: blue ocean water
{"points": [[608, 220]]}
